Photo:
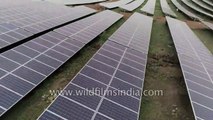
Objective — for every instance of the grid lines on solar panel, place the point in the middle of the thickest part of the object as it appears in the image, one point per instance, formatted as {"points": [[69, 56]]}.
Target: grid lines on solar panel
{"points": [[29, 64], [30, 19], [196, 63], [114, 67], [99, 74], [132, 35]]}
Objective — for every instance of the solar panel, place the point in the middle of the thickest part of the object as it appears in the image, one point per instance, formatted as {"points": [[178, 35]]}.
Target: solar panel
{"points": [[208, 24], [114, 67], [132, 6], [77, 2], [166, 9], [149, 7], [185, 11], [74, 2], [134, 24], [197, 64], [7, 4], [190, 5], [188, 13], [34, 12], [115, 4], [208, 2], [42, 17], [203, 5], [23, 10], [25, 66]]}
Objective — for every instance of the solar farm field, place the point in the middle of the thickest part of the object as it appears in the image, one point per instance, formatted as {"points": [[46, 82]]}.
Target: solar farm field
{"points": [[106, 60]]}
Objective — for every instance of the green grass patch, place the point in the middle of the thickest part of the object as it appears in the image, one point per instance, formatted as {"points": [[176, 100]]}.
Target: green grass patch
{"points": [[206, 37], [163, 73]]}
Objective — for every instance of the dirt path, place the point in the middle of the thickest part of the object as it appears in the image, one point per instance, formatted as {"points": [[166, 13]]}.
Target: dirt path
{"points": [[164, 73]]}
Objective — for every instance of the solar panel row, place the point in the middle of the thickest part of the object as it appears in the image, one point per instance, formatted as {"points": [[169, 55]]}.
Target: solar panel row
{"points": [[166, 9], [190, 5], [132, 6], [38, 8], [76, 13], [208, 24], [16, 27], [33, 12], [78, 2], [115, 4], [7, 4], [197, 64], [73, 2], [208, 2], [24, 67], [114, 68], [15, 13], [149, 7], [191, 15], [136, 37], [185, 11], [203, 5]]}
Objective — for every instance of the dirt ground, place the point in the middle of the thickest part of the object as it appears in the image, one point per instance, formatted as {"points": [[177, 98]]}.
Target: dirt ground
{"points": [[196, 25], [95, 6], [100, 8], [191, 24], [160, 19], [174, 104], [164, 73]]}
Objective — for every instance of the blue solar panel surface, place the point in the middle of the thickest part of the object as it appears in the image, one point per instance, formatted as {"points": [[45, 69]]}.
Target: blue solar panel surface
{"points": [[26, 20], [25, 66], [197, 66], [115, 67]]}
